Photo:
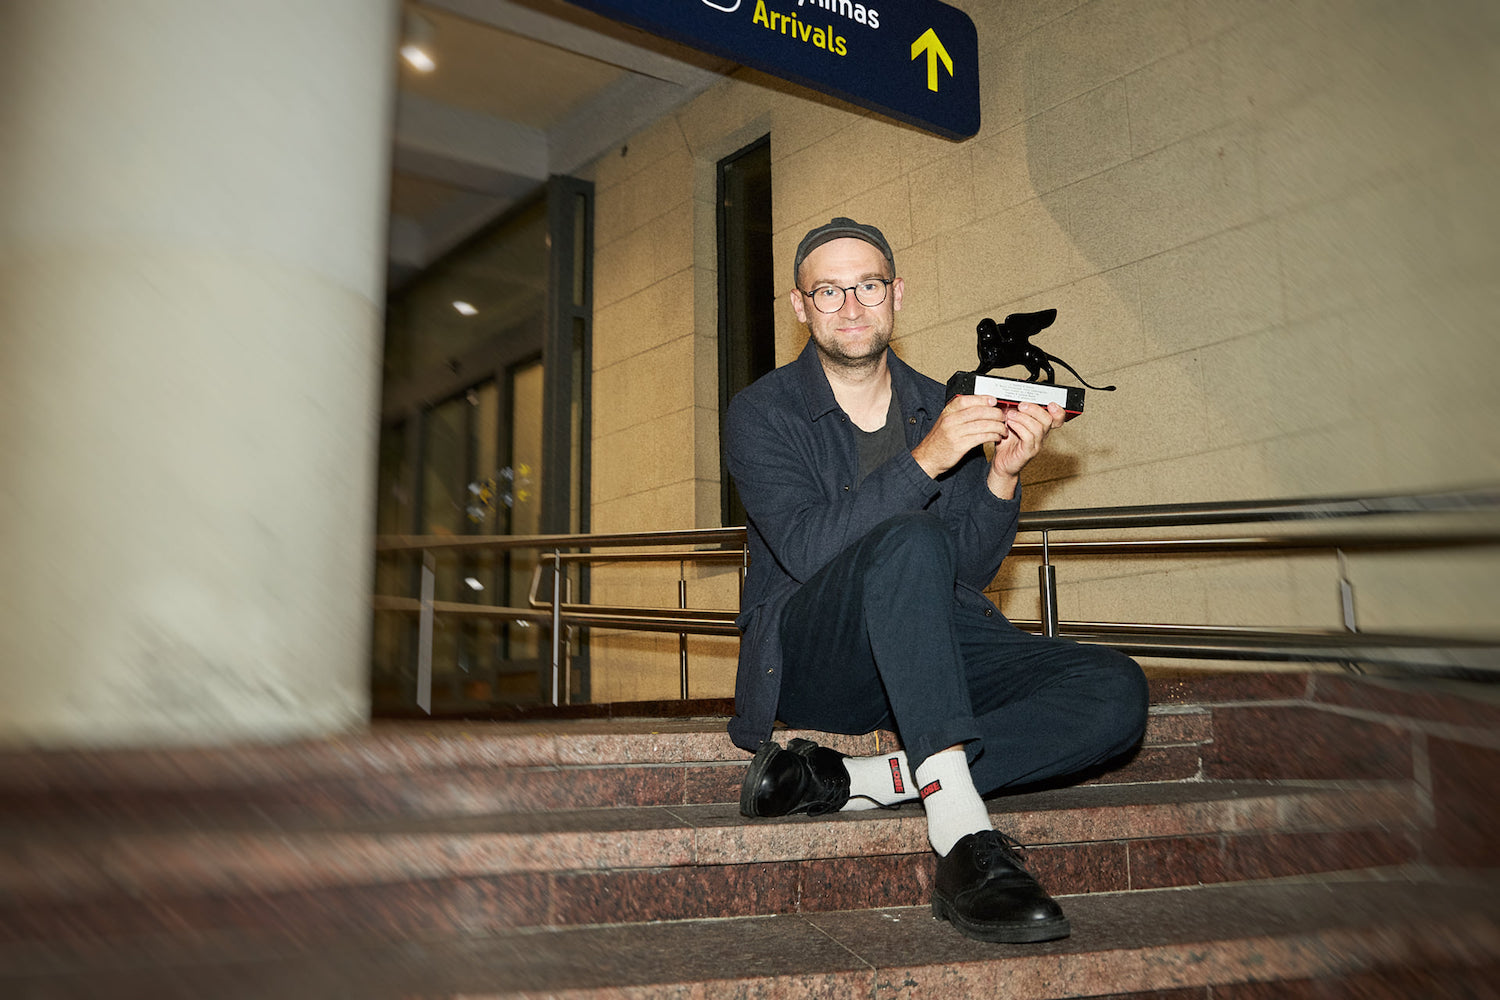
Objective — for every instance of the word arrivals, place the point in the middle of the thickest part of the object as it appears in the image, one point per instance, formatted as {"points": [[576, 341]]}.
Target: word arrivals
{"points": [[823, 38], [916, 61], [854, 11]]}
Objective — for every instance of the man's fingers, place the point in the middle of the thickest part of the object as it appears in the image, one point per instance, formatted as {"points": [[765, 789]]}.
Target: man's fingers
{"points": [[973, 420], [962, 400], [1051, 414], [959, 404], [975, 414], [1042, 418], [1030, 424], [1028, 428], [965, 423]]}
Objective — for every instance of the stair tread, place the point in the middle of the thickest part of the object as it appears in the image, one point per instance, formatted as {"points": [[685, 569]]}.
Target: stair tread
{"points": [[385, 747], [275, 856], [1143, 940], [418, 747], [712, 814]]}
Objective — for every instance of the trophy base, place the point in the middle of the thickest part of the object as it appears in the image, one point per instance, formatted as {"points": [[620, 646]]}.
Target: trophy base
{"points": [[1014, 390]]}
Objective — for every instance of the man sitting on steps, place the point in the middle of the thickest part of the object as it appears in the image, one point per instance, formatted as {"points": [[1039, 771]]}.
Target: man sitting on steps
{"points": [[875, 523]]}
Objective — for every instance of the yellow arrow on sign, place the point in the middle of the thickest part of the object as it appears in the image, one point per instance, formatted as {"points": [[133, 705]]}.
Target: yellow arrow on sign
{"points": [[929, 43]]}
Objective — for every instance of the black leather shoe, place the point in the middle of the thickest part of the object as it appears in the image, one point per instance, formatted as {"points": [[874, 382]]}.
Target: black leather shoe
{"points": [[983, 890], [802, 778]]}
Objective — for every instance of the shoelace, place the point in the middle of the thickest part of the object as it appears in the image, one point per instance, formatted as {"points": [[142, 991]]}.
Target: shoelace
{"points": [[819, 808], [839, 788], [825, 804], [834, 786], [992, 847]]}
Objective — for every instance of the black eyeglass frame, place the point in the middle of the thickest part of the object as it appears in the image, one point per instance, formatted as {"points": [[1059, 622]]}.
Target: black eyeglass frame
{"points": [[885, 290]]}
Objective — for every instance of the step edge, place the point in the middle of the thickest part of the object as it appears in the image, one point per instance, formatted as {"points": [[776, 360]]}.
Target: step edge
{"points": [[1469, 937], [152, 861]]}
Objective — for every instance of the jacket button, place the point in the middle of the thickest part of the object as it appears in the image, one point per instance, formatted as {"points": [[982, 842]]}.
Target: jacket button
{"points": [[846, 487], [989, 612], [911, 420]]}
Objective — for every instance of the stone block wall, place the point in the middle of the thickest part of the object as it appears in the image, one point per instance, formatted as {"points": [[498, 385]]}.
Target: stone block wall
{"points": [[1271, 224]]}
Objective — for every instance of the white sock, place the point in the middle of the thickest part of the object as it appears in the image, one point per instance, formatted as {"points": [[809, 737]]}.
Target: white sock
{"points": [[954, 808], [882, 780]]}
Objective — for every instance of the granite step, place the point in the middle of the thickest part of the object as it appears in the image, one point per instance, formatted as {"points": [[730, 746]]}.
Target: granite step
{"points": [[1276, 836], [448, 768], [407, 875], [1390, 935], [1233, 725]]}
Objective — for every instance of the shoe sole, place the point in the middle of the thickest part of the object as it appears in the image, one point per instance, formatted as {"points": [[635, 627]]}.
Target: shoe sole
{"points": [[758, 765], [1029, 933]]}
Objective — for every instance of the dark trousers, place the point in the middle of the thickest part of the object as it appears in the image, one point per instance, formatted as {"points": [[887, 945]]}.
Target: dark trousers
{"points": [[878, 639]]}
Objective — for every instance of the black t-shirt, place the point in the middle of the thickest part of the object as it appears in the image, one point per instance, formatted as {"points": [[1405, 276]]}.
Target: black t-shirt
{"points": [[878, 447]]}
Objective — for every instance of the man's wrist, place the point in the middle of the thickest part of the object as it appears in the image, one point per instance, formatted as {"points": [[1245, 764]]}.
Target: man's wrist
{"points": [[926, 462], [1003, 486]]}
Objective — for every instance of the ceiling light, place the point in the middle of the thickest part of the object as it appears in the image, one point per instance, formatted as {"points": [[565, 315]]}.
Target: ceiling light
{"points": [[464, 308], [417, 59], [416, 43], [473, 583]]}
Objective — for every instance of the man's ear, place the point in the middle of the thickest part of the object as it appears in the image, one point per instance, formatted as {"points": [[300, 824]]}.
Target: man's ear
{"points": [[797, 306], [898, 289]]}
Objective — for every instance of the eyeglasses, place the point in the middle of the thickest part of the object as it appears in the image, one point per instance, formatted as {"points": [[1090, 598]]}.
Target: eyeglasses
{"points": [[830, 298]]}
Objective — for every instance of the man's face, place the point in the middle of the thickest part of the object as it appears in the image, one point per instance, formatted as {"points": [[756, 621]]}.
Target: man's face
{"points": [[857, 335]]}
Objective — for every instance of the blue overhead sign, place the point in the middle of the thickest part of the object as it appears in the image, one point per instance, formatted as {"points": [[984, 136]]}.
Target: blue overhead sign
{"points": [[914, 60]]}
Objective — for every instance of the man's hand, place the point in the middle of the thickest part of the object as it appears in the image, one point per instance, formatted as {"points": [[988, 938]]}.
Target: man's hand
{"points": [[1028, 425], [965, 423]]}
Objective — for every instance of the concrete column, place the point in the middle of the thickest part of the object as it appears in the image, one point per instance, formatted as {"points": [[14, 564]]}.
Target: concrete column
{"points": [[192, 231]]}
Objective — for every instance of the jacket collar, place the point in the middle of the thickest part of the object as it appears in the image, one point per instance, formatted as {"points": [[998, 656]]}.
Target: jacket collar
{"points": [[818, 394]]}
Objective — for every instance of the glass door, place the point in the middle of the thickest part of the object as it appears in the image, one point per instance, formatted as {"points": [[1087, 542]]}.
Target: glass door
{"points": [[485, 431], [528, 657], [460, 470]]}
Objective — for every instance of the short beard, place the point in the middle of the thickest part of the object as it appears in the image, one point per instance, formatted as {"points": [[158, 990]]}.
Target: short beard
{"points": [[845, 363], [855, 364]]}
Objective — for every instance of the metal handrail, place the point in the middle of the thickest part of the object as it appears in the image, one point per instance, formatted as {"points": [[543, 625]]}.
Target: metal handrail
{"points": [[690, 536], [1256, 543], [1182, 515], [1158, 639], [697, 621]]}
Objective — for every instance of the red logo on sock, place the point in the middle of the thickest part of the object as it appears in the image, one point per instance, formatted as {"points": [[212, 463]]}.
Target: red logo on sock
{"points": [[930, 787], [897, 785]]}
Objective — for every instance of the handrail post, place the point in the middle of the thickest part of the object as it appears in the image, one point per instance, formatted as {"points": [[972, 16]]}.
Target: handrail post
{"points": [[1346, 594], [556, 624], [424, 632], [744, 571], [682, 642], [1346, 607], [567, 648], [1048, 578]]}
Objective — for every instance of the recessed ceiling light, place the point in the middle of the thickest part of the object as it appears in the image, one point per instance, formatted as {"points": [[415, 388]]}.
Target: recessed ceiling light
{"points": [[464, 309], [417, 58], [416, 43]]}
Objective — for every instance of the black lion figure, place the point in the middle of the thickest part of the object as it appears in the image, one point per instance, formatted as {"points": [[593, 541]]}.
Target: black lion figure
{"points": [[1002, 345]]}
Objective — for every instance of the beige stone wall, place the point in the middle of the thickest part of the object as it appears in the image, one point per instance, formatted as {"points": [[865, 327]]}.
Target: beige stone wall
{"points": [[1272, 224]]}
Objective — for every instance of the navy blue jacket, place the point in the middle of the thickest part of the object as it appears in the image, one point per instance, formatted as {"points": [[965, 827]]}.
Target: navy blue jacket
{"points": [[792, 453]]}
